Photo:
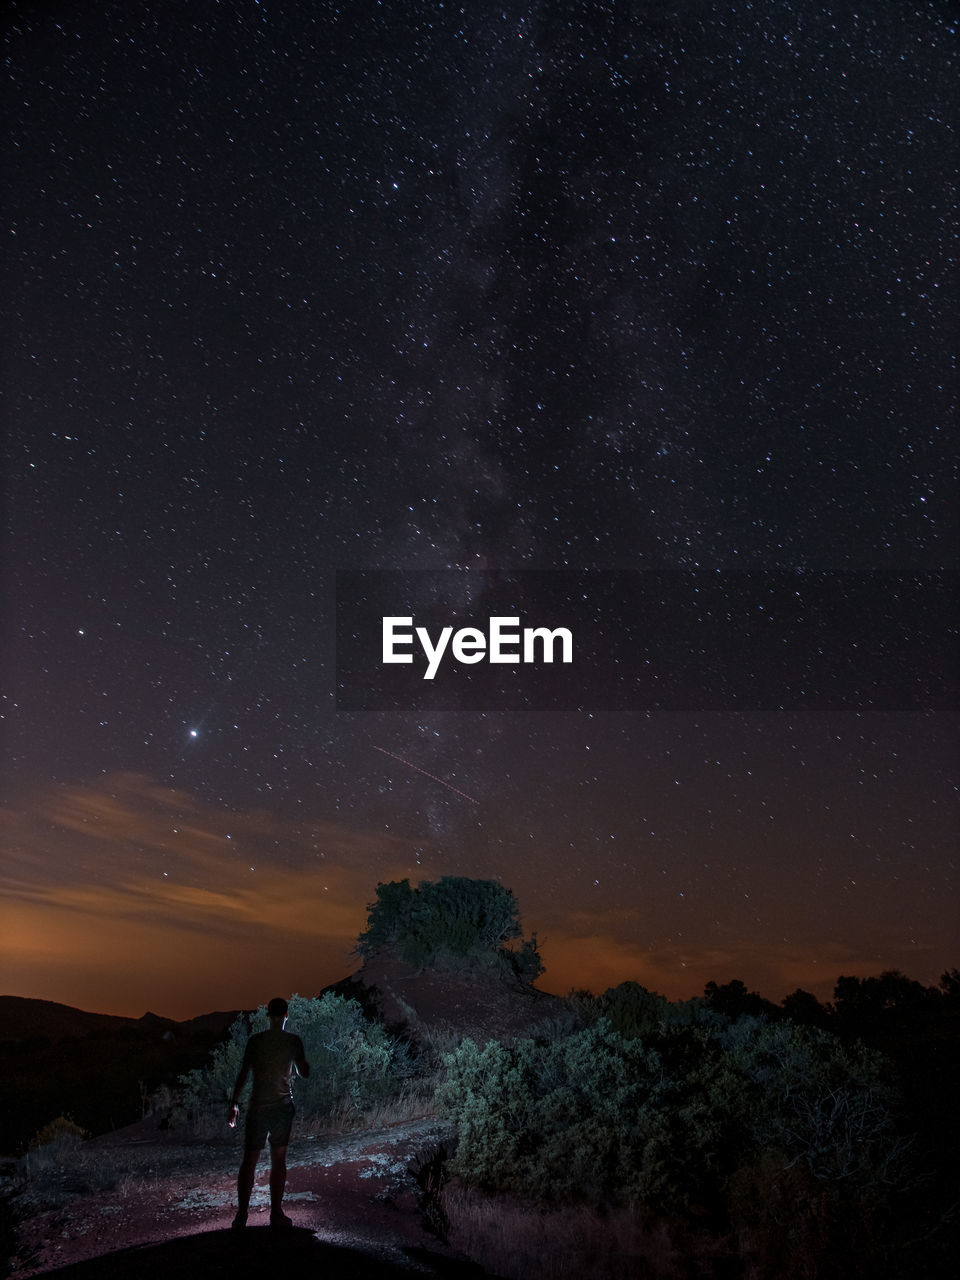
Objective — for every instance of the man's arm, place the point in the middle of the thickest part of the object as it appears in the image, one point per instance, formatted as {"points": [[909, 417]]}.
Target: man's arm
{"points": [[240, 1081], [300, 1061]]}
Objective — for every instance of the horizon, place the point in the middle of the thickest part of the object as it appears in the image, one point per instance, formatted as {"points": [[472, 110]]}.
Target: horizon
{"points": [[540, 984], [182, 1011], [98, 926]]}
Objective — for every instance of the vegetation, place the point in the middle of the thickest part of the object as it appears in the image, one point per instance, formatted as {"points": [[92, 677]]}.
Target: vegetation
{"points": [[668, 1121], [792, 1147], [59, 1164], [454, 919], [59, 1134]]}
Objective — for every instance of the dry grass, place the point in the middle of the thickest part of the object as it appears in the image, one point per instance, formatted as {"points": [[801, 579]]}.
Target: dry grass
{"points": [[435, 1041], [522, 1242], [63, 1163], [413, 1102], [57, 1172]]}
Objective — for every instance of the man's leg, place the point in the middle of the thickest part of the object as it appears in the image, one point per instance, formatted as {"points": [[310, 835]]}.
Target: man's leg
{"points": [[278, 1181], [245, 1177]]}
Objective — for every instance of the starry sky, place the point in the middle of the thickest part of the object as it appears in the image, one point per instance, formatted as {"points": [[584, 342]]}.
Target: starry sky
{"points": [[293, 291]]}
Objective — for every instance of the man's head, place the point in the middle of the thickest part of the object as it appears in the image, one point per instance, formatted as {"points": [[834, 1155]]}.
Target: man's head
{"points": [[277, 1008]]}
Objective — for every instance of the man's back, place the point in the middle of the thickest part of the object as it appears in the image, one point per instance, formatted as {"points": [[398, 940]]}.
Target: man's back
{"points": [[272, 1056]]}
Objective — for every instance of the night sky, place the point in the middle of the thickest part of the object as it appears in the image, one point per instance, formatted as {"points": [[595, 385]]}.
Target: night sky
{"points": [[294, 289]]}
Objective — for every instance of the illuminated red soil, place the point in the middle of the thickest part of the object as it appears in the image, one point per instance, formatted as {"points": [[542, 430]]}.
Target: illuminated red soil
{"points": [[353, 1201]]}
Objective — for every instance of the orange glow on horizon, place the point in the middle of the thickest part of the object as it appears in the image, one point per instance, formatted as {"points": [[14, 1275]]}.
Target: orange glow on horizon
{"points": [[122, 896]]}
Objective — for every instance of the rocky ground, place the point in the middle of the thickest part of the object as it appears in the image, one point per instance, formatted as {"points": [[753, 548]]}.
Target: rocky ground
{"points": [[441, 1002], [357, 1203]]}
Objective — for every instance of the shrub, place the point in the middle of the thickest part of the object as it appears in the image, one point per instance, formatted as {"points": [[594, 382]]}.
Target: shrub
{"points": [[551, 1121], [61, 1133], [57, 1161], [672, 1122], [825, 1105], [54, 1147], [354, 1064]]}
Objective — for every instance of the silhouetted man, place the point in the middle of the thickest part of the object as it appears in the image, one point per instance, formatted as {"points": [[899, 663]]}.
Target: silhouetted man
{"points": [[272, 1057]]}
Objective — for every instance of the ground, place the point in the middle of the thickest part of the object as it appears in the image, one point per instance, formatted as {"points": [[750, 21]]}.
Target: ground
{"points": [[354, 1201]]}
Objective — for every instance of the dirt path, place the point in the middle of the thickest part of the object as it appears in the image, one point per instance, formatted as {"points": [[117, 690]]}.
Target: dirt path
{"points": [[353, 1201]]}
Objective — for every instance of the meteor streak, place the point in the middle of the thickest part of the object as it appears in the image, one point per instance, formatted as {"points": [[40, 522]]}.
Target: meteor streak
{"points": [[432, 776]]}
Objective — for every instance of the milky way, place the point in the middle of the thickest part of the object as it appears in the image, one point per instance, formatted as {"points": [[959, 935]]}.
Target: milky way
{"points": [[297, 289]]}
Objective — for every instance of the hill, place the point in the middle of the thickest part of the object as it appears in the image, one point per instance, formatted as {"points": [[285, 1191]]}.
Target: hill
{"points": [[440, 1002], [448, 959], [96, 1068], [22, 1018]]}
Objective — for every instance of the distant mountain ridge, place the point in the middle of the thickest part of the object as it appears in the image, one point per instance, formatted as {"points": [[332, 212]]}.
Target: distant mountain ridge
{"points": [[95, 1068], [24, 1018]]}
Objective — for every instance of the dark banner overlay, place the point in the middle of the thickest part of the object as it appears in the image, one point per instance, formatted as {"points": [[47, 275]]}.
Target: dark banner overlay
{"points": [[645, 641]]}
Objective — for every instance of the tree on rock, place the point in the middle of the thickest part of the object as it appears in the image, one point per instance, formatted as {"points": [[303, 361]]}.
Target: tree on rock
{"points": [[452, 920]]}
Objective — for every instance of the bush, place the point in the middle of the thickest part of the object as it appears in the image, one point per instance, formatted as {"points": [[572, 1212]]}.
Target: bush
{"points": [[721, 1122], [54, 1147], [354, 1064], [58, 1162], [475, 921], [61, 1133], [824, 1105], [551, 1121]]}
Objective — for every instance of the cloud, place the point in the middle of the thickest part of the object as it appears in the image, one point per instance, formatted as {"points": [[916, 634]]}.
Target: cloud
{"points": [[122, 894]]}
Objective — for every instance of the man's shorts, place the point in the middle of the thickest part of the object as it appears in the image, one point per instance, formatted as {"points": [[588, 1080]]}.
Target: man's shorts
{"points": [[273, 1118]]}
